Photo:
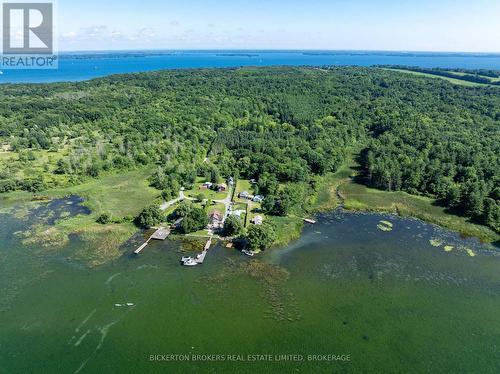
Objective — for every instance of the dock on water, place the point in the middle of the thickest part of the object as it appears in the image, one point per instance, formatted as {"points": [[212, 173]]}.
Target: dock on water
{"points": [[139, 250], [160, 234], [199, 259], [208, 245]]}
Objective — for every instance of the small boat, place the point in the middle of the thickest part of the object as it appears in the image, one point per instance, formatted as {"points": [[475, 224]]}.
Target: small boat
{"points": [[248, 253], [191, 262], [311, 221], [184, 259], [118, 305], [130, 304]]}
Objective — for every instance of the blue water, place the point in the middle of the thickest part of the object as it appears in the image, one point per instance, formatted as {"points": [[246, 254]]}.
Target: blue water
{"points": [[84, 66]]}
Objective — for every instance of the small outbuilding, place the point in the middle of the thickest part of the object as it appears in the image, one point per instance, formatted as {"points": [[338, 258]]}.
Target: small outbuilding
{"points": [[258, 220], [206, 186]]}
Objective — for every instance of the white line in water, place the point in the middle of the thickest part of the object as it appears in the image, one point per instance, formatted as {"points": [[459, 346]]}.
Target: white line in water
{"points": [[81, 338], [110, 279], [85, 320], [104, 332]]}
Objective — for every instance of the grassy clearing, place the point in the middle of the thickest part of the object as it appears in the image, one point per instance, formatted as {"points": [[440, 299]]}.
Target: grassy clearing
{"points": [[462, 74], [328, 197], [451, 80], [217, 208], [43, 164], [287, 229]]}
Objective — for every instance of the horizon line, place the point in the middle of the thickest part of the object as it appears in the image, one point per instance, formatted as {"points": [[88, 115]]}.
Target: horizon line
{"points": [[273, 50]]}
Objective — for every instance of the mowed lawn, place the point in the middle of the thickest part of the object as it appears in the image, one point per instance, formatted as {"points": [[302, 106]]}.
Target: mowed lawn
{"points": [[207, 194], [243, 185]]}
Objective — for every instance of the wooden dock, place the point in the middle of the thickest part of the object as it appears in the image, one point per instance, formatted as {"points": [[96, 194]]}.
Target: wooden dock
{"points": [[208, 245], [160, 234], [139, 250]]}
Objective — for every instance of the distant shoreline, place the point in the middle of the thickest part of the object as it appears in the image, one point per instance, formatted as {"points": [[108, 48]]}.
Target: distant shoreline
{"points": [[86, 65]]}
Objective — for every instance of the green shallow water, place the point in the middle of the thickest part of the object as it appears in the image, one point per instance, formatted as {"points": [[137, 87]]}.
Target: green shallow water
{"points": [[391, 301]]}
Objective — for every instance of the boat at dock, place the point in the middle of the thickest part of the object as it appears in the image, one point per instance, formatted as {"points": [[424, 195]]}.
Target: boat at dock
{"points": [[200, 258], [248, 253], [190, 262]]}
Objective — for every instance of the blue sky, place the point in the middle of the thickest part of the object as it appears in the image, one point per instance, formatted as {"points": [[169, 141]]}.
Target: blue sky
{"points": [[424, 25]]}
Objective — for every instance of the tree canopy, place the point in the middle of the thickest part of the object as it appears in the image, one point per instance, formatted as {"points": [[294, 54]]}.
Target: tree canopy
{"points": [[279, 126]]}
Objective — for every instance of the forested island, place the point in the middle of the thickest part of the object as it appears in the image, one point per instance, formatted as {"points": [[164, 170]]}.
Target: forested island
{"points": [[307, 138]]}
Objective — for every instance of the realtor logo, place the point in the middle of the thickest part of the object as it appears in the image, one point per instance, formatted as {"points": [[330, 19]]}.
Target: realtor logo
{"points": [[28, 36], [27, 28]]}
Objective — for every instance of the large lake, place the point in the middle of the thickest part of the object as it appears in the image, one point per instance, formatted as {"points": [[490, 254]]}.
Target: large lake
{"points": [[415, 299], [83, 66]]}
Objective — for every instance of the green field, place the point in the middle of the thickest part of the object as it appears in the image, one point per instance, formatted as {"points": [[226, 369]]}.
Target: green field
{"points": [[451, 80], [460, 73], [217, 208]]}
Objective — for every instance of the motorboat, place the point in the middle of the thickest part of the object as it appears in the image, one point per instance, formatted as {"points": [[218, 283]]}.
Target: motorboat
{"points": [[190, 262], [248, 253]]}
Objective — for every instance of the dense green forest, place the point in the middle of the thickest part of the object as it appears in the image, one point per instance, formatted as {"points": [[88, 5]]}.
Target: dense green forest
{"points": [[280, 126]]}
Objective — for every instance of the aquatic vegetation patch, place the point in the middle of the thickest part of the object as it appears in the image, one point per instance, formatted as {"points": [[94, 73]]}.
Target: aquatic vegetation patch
{"points": [[102, 244], [385, 226], [283, 306], [59, 209], [192, 244], [436, 242], [271, 278], [470, 252], [53, 224], [45, 236]]}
